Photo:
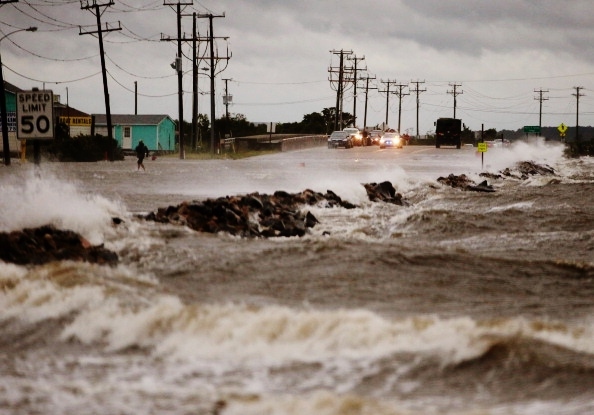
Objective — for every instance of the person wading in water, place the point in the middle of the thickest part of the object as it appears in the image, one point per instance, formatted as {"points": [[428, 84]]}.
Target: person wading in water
{"points": [[141, 152]]}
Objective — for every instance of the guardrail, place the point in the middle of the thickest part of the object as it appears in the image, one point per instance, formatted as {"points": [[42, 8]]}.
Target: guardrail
{"points": [[298, 143], [277, 143]]}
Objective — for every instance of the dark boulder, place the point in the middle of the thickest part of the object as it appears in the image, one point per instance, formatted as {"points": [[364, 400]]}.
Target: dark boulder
{"points": [[464, 183], [262, 215], [524, 169], [252, 215], [384, 192], [46, 243]]}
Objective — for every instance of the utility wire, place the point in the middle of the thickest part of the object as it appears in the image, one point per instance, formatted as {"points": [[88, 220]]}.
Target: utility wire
{"points": [[50, 82], [134, 92], [136, 75]]}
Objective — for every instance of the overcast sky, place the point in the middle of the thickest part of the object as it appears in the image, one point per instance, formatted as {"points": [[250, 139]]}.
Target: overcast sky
{"points": [[496, 52]]}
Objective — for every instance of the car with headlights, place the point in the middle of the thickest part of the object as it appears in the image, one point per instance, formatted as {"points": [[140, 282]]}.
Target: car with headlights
{"points": [[391, 140], [340, 139], [375, 137], [356, 136]]}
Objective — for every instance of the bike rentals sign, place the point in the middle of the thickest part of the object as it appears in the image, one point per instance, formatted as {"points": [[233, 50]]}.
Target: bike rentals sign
{"points": [[35, 115]]}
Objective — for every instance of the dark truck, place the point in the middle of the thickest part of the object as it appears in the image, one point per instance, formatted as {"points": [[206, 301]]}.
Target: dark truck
{"points": [[447, 131]]}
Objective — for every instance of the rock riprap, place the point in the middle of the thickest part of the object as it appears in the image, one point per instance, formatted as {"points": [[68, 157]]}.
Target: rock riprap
{"points": [[46, 243]]}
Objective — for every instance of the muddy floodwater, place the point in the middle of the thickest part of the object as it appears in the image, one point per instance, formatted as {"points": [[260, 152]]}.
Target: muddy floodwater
{"points": [[459, 302]]}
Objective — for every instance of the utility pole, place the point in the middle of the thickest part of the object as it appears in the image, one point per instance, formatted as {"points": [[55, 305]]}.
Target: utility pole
{"points": [[367, 88], [387, 91], [418, 91], [400, 94], [194, 83], [577, 96], [94, 8], [339, 88], [135, 97], [355, 70], [540, 99], [180, 74], [212, 58], [455, 93], [196, 38]]}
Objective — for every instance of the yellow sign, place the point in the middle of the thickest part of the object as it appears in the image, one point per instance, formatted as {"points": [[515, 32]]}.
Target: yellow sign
{"points": [[76, 121], [482, 147], [562, 129]]}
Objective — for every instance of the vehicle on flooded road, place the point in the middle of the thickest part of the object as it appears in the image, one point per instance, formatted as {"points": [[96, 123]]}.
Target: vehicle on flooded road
{"points": [[355, 134], [391, 140], [340, 139], [448, 131], [375, 136]]}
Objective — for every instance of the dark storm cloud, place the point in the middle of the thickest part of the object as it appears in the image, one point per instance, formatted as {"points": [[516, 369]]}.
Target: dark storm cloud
{"points": [[473, 26], [282, 50]]}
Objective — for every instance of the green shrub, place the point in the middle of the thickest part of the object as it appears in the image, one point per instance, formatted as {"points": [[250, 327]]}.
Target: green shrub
{"points": [[85, 148]]}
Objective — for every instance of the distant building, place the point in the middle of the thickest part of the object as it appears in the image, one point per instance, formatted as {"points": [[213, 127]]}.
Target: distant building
{"points": [[10, 92], [78, 122], [157, 131]]}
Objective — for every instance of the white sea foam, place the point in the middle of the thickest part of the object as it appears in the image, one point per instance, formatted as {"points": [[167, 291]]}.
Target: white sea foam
{"points": [[253, 335], [519, 206], [33, 200], [536, 150]]}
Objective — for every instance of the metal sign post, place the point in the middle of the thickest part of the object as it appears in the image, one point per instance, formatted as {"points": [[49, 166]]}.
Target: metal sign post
{"points": [[482, 148]]}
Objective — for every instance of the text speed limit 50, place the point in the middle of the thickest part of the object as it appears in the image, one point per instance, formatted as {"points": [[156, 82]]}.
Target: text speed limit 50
{"points": [[35, 115]]}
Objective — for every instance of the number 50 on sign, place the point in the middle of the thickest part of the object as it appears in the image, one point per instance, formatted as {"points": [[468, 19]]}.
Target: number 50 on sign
{"points": [[35, 115]]}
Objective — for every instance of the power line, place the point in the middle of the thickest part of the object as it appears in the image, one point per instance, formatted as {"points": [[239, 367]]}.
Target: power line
{"points": [[418, 91], [577, 96], [355, 75], [340, 87], [540, 99], [49, 81], [178, 67], [455, 93]]}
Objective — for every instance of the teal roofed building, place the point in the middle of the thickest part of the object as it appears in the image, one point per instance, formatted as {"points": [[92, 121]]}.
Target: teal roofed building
{"points": [[157, 131], [10, 92]]}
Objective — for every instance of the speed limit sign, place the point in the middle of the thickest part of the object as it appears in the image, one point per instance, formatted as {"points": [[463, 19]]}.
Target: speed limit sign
{"points": [[35, 115]]}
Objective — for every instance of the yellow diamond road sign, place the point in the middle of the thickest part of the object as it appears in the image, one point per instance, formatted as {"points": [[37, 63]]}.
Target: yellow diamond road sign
{"points": [[562, 128]]}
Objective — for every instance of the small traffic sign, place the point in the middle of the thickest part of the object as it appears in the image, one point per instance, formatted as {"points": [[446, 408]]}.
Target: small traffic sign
{"points": [[35, 115], [562, 128], [482, 147], [532, 129]]}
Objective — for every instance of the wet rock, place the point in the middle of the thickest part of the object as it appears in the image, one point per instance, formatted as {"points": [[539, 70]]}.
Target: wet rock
{"points": [[384, 192], [46, 243], [491, 176], [524, 169], [457, 182], [464, 183], [262, 215], [481, 187], [252, 215], [531, 168], [334, 200]]}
